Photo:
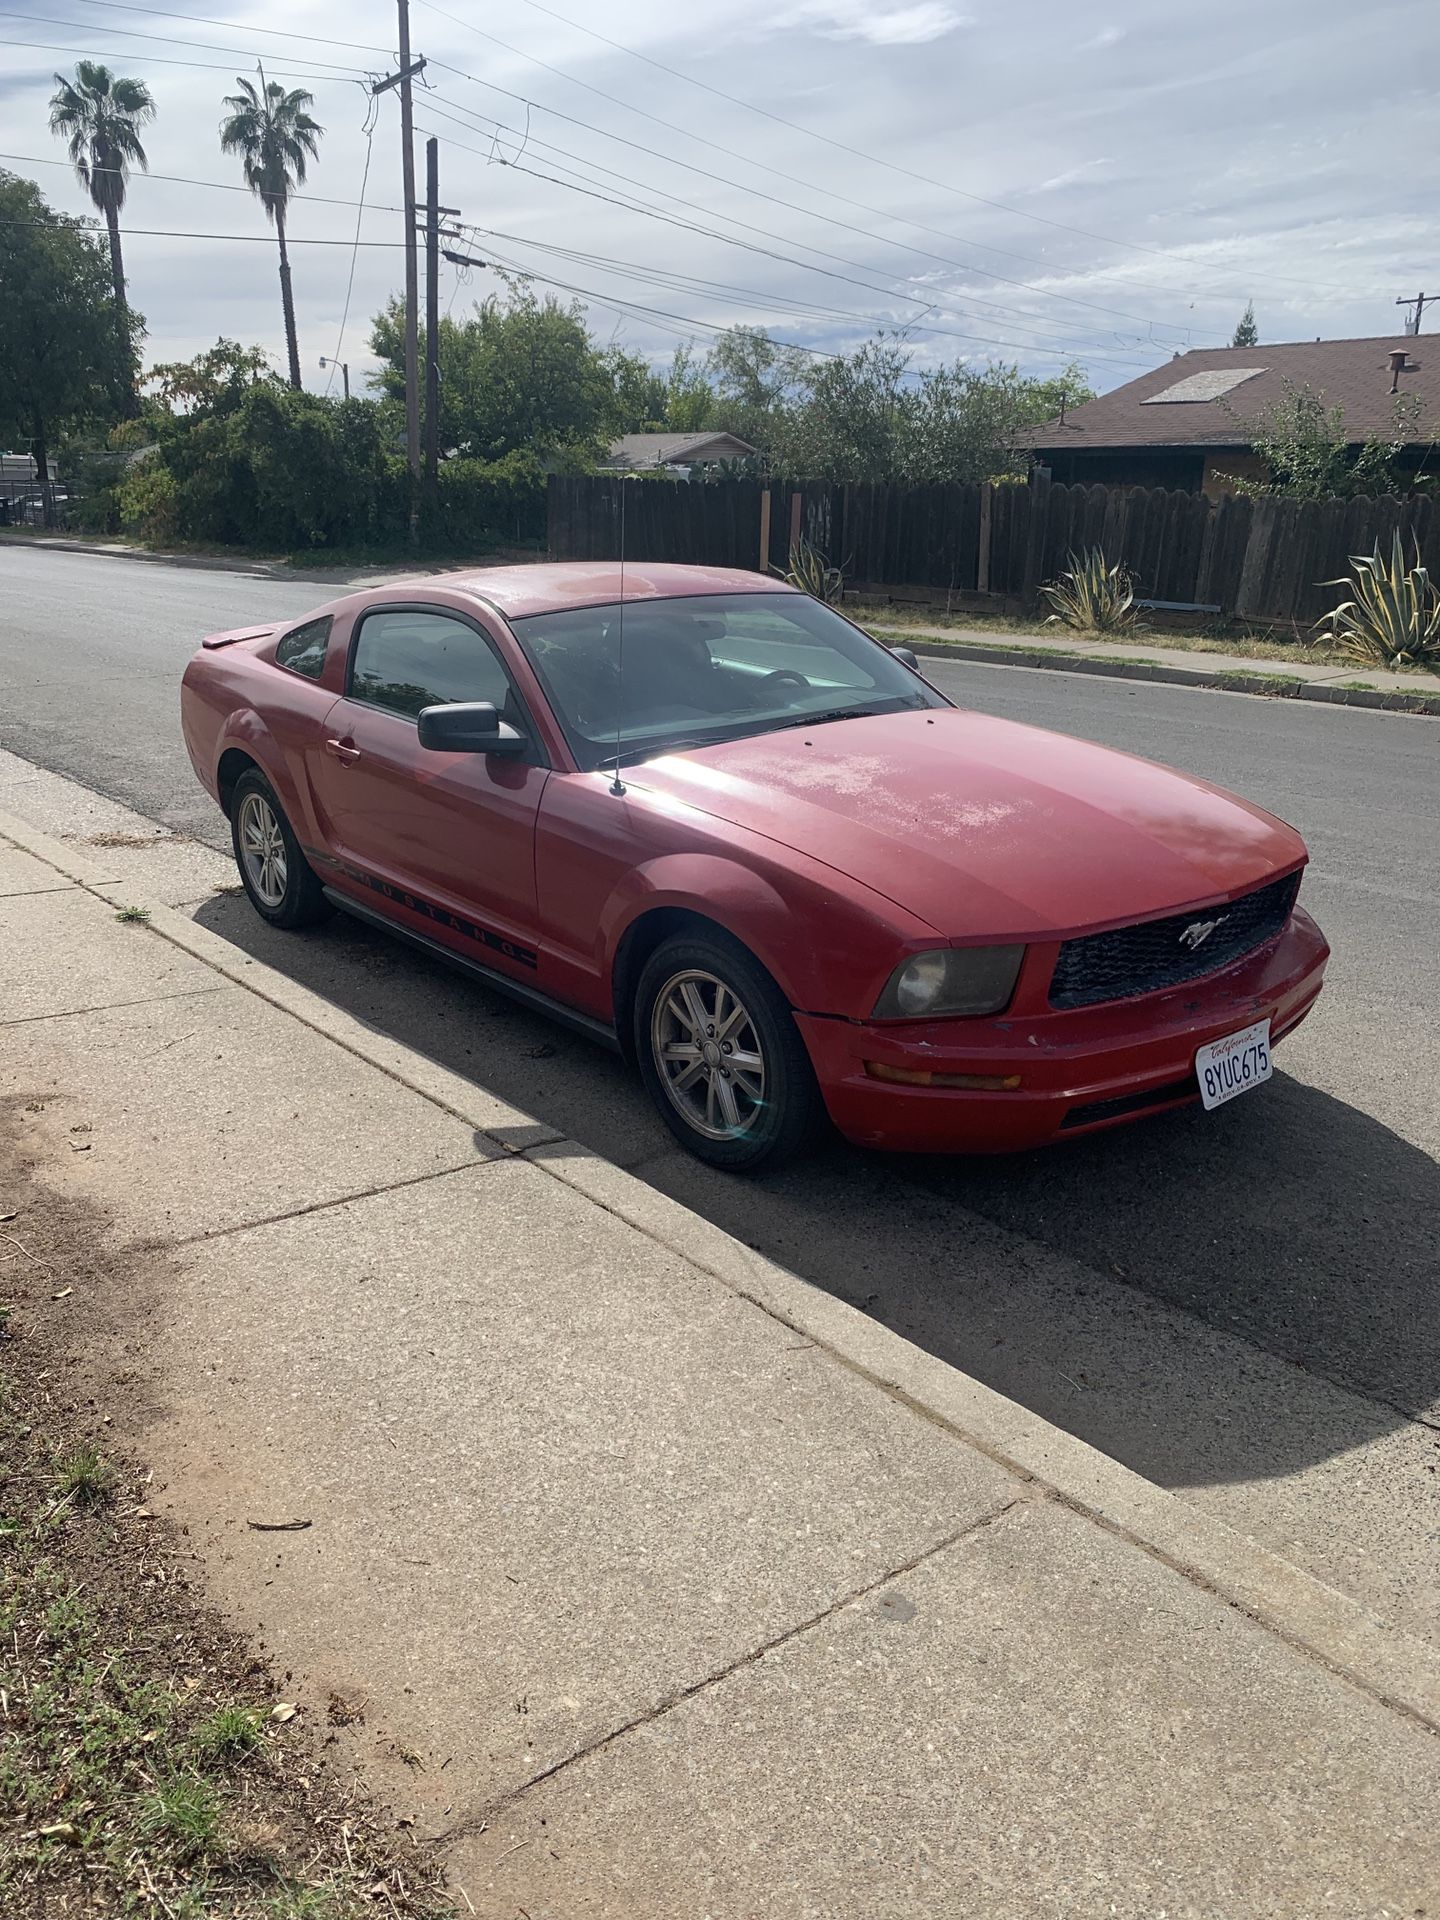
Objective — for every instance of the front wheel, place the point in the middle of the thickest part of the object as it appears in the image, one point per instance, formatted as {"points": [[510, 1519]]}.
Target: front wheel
{"points": [[721, 1056], [280, 881]]}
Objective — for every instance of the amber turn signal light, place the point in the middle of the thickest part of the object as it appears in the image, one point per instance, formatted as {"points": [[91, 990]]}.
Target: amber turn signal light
{"points": [[918, 1077]]}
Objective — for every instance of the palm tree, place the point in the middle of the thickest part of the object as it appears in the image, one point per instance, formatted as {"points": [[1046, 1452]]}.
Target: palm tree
{"points": [[274, 136], [101, 115]]}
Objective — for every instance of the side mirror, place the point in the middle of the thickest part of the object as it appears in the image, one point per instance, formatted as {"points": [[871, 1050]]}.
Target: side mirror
{"points": [[907, 654], [469, 726]]}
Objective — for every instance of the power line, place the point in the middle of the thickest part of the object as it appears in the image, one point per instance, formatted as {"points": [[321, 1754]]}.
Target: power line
{"points": [[841, 146], [185, 180], [238, 26], [1028, 320], [372, 115], [163, 60], [1051, 346], [689, 283], [176, 233], [160, 39], [791, 206]]}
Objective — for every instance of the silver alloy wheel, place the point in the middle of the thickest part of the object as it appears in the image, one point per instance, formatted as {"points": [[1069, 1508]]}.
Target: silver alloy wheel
{"points": [[708, 1054], [262, 848]]}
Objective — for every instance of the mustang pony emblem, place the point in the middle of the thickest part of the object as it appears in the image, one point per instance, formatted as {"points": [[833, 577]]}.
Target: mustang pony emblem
{"points": [[1199, 931]]}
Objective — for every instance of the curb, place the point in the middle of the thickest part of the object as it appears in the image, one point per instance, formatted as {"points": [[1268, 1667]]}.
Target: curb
{"points": [[1399, 1671], [201, 563], [1268, 687]]}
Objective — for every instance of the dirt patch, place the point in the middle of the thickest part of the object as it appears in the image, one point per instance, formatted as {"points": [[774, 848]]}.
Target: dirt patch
{"points": [[151, 1761]]}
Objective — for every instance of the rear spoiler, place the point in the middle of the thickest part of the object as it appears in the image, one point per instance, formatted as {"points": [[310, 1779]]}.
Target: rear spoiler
{"points": [[238, 633]]}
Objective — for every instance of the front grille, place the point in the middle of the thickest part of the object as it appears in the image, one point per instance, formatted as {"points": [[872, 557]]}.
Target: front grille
{"points": [[1166, 953]]}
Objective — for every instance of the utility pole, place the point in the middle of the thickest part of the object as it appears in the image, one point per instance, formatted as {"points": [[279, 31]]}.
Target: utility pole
{"points": [[1412, 325], [402, 80]]}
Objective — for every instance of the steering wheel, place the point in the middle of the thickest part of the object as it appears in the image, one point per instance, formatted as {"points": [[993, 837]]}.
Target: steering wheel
{"points": [[786, 677]]}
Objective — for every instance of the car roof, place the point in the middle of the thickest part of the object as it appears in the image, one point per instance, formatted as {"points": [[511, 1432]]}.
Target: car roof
{"points": [[553, 587]]}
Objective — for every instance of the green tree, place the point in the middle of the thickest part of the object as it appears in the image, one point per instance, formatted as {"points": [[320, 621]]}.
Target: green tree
{"points": [[854, 419], [1246, 334], [212, 379], [65, 359], [1312, 455], [100, 115], [755, 381], [640, 393], [689, 397], [870, 415], [521, 374], [275, 136]]}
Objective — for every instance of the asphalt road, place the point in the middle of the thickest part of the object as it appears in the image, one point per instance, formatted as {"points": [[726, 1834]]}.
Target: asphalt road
{"points": [[1244, 1306]]}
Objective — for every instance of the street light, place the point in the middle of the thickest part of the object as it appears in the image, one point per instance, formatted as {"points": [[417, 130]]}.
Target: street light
{"points": [[344, 366]]}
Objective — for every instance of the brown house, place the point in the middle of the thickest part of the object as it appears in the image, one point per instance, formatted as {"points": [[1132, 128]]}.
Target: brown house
{"points": [[1184, 425]]}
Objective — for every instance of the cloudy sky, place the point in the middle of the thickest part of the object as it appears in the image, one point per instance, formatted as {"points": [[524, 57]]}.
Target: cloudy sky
{"points": [[1107, 180]]}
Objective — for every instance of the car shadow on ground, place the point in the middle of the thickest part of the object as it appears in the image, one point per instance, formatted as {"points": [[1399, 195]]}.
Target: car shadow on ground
{"points": [[1208, 1298]]}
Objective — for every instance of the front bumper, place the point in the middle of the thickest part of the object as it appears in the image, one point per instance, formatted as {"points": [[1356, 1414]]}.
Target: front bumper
{"points": [[1079, 1070]]}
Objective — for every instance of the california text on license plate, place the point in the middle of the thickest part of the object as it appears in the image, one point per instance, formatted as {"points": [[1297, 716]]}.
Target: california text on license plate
{"points": [[1233, 1065]]}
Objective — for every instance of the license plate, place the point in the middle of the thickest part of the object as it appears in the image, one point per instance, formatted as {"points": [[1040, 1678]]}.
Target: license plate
{"points": [[1233, 1065]]}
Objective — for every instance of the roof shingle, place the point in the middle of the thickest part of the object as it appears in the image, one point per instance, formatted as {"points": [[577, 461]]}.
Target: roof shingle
{"points": [[1351, 374]]}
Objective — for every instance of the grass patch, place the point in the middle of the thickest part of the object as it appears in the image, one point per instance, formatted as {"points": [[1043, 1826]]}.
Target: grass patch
{"points": [[1357, 686], [228, 1734], [84, 1475], [133, 916]]}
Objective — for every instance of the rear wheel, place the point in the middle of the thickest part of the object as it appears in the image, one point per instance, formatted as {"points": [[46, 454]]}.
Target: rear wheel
{"points": [[281, 883], [721, 1056]]}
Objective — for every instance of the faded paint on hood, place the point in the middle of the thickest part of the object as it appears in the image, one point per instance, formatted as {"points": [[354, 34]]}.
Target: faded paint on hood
{"points": [[982, 827]]}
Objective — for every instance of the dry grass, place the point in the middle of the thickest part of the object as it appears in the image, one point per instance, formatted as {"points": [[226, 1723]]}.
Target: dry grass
{"points": [[143, 1770]]}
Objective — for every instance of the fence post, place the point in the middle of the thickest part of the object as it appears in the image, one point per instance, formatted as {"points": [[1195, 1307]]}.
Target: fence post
{"points": [[765, 530], [982, 559], [1035, 540], [797, 507]]}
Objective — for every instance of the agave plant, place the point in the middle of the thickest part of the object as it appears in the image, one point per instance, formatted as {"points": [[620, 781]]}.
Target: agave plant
{"points": [[1092, 597], [812, 573], [1394, 618]]}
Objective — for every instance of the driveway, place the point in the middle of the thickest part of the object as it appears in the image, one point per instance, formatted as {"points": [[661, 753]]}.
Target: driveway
{"points": [[1243, 1306]]}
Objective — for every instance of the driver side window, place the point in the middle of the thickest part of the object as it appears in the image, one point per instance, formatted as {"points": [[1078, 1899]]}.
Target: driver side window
{"points": [[406, 660]]}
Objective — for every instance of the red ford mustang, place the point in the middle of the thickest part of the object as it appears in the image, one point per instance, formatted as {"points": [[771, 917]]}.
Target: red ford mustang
{"points": [[720, 828]]}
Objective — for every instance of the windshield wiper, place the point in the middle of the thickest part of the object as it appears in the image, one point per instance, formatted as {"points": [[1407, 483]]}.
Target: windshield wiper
{"points": [[839, 713]]}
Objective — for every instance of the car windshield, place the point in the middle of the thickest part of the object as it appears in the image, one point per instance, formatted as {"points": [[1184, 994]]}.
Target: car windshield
{"points": [[706, 668]]}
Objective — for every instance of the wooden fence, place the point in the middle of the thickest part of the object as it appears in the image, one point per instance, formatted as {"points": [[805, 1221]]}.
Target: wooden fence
{"points": [[1263, 560]]}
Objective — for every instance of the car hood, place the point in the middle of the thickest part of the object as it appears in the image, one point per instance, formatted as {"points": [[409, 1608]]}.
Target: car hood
{"points": [[983, 827]]}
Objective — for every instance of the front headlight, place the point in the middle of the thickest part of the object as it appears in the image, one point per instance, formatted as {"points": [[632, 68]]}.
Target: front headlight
{"points": [[951, 980]]}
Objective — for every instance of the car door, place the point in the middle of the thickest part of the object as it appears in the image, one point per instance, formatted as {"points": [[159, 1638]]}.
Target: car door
{"points": [[443, 843]]}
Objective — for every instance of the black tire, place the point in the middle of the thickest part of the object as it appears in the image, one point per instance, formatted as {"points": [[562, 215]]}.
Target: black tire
{"points": [[294, 899], [779, 1107]]}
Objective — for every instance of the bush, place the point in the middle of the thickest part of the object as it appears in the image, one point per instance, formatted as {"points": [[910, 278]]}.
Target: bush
{"points": [[1394, 618], [1092, 597], [264, 466], [146, 501], [482, 502]]}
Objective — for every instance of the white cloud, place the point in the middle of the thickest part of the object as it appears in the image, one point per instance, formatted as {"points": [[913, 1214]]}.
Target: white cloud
{"points": [[1240, 151], [903, 26]]}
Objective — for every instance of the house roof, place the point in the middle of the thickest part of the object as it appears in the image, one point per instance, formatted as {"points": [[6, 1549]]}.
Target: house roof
{"points": [[1204, 398], [674, 449]]}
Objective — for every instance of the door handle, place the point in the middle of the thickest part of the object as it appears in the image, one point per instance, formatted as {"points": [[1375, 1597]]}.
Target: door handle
{"points": [[343, 751]]}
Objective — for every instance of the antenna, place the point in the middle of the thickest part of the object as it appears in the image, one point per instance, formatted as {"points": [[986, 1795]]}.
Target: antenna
{"points": [[617, 785]]}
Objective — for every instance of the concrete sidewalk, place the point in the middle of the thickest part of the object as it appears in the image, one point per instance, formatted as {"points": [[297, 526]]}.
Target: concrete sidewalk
{"points": [[674, 1587]]}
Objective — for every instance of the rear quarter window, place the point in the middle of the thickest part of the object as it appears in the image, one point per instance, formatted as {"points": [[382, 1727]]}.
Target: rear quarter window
{"points": [[303, 649]]}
